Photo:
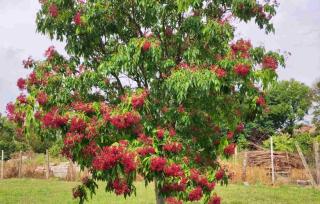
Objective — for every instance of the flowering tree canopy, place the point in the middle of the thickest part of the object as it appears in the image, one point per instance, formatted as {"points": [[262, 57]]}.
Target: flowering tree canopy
{"points": [[155, 88]]}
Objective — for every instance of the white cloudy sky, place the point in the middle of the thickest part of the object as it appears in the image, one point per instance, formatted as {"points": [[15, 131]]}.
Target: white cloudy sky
{"points": [[297, 31]]}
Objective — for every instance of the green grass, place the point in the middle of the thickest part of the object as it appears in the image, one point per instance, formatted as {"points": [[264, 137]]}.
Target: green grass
{"points": [[32, 191]]}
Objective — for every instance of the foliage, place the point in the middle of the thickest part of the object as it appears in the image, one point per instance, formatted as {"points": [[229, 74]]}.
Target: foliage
{"points": [[159, 88], [286, 142], [316, 106], [287, 103], [8, 141]]}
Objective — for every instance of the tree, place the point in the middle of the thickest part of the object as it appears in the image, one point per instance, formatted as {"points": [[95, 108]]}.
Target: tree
{"points": [[8, 140], [316, 106], [159, 88], [289, 102]]}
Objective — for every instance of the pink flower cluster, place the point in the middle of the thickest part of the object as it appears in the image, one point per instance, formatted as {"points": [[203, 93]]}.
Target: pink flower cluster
{"points": [[49, 53], [21, 83]]}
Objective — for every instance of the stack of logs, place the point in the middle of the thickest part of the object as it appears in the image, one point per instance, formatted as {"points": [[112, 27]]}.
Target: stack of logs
{"points": [[283, 161]]}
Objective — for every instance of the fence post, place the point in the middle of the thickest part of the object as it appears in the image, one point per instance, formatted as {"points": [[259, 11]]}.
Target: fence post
{"points": [[304, 162], [20, 164], [47, 165], [272, 160], [2, 164], [235, 156], [317, 160], [244, 166]]}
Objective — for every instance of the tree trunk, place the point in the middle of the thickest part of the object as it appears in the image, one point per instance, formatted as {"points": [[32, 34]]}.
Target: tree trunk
{"points": [[159, 198]]}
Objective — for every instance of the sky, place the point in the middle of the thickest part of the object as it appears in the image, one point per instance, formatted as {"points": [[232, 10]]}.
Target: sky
{"points": [[297, 31]]}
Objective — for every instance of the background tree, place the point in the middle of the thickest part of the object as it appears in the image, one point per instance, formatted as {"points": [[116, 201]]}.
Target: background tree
{"points": [[159, 88], [287, 103], [316, 106], [9, 142]]}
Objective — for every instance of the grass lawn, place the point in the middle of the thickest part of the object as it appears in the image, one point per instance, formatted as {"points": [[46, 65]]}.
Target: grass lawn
{"points": [[32, 191]]}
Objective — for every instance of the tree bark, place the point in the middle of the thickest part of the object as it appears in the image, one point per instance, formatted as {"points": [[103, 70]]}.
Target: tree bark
{"points": [[159, 198]]}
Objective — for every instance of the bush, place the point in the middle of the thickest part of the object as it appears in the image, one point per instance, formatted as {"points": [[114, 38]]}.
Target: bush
{"points": [[286, 143]]}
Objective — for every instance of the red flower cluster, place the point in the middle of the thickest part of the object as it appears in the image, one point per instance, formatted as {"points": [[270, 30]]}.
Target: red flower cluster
{"points": [[125, 120], [42, 98], [173, 147], [112, 155], [173, 170], [240, 128], [269, 62], [28, 63], [145, 139], [219, 174], [128, 162], [220, 72], [230, 149], [172, 132], [53, 10], [143, 151], [230, 135], [72, 138], [22, 99], [49, 53], [120, 187], [201, 180], [91, 149], [32, 79], [138, 100], [53, 120], [146, 46], [77, 18], [196, 194], [160, 133], [82, 107], [157, 163], [242, 47], [215, 200], [242, 70], [261, 101], [172, 200], [77, 125], [21, 83], [177, 187]]}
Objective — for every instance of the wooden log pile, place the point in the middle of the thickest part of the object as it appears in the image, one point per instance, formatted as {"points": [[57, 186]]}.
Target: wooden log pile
{"points": [[282, 160]]}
